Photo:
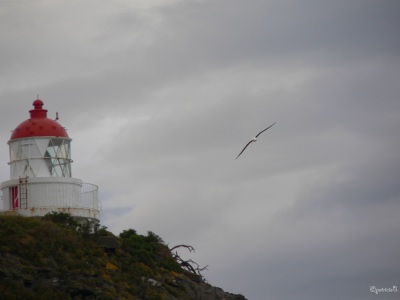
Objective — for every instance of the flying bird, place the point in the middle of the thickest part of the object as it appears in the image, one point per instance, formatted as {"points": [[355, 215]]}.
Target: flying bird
{"points": [[254, 139]]}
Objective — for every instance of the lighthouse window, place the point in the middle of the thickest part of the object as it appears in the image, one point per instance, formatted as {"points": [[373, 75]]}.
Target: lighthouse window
{"points": [[58, 158], [26, 150]]}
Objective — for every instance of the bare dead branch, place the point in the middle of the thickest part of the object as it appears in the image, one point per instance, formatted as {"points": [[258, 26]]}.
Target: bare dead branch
{"points": [[189, 265], [190, 248]]}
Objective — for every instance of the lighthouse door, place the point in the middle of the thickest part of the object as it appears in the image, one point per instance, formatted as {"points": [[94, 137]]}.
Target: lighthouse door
{"points": [[14, 201]]}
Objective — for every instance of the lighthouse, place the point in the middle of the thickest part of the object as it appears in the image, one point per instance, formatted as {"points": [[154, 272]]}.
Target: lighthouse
{"points": [[40, 172]]}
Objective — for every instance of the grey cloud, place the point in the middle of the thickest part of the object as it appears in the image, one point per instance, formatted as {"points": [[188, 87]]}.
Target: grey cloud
{"points": [[159, 101]]}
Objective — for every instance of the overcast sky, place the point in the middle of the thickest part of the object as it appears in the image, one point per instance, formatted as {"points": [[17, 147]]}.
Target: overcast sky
{"points": [[160, 96]]}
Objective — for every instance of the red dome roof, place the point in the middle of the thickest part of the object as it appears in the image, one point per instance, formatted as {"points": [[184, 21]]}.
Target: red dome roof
{"points": [[38, 124]]}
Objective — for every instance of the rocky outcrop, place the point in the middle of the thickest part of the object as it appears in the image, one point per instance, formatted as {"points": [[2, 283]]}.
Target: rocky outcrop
{"points": [[43, 260], [21, 273]]}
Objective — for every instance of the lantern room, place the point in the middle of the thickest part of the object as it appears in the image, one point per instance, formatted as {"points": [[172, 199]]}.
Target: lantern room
{"points": [[40, 171]]}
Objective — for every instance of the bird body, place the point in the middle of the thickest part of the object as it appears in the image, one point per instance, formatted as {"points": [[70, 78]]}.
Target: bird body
{"points": [[254, 140]]}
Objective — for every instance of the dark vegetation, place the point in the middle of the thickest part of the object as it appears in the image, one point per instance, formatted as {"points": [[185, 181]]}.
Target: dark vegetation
{"points": [[54, 257]]}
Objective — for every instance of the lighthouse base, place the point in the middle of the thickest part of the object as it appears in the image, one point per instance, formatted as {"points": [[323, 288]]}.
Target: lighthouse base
{"points": [[39, 196]]}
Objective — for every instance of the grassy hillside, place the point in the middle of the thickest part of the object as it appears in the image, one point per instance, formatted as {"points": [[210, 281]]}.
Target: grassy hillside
{"points": [[56, 258]]}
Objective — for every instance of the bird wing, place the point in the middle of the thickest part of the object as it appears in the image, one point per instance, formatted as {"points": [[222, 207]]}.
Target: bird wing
{"points": [[244, 148], [265, 129]]}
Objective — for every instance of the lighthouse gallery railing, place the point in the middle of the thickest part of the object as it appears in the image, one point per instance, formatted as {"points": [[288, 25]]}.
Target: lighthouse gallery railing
{"points": [[89, 197]]}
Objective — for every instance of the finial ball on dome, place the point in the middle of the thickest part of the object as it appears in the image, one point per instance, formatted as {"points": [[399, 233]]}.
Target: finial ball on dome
{"points": [[38, 104]]}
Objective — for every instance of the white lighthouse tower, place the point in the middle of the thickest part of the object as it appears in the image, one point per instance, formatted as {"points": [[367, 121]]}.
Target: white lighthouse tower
{"points": [[40, 172]]}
